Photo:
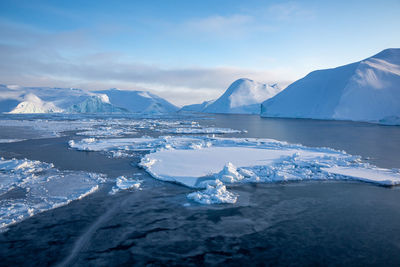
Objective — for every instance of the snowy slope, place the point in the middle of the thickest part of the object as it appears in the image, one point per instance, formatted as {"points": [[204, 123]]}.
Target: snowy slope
{"points": [[243, 96], [33, 104], [197, 107], [139, 101], [16, 99], [368, 90]]}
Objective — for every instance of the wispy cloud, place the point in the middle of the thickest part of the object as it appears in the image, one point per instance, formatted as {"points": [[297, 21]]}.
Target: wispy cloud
{"points": [[32, 57], [21, 67], [236, 26], [226, 25], [290, 11]]}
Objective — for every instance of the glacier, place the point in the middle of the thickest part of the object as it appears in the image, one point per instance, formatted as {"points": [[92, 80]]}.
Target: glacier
{"points": [[17, 99], [243, 96], [368, 90]]}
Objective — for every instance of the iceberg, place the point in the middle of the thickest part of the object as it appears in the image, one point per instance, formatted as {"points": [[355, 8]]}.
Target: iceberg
{"points": [[16, 99], [244, 96], [367, 90]]}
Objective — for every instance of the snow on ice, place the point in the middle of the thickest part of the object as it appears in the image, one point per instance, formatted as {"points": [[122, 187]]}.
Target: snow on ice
{"points": [[196, 161], [44, 187], [123, 183]]}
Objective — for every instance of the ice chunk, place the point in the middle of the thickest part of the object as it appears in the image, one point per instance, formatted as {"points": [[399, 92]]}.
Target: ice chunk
{"points": [[215, 193], [229, 174], [123, 183]]}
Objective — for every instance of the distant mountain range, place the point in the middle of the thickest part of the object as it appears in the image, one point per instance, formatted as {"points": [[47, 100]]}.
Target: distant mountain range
{"points": [[16, 99]]}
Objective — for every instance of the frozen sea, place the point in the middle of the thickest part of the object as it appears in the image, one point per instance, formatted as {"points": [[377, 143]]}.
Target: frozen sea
{"points": [[129, 218]]}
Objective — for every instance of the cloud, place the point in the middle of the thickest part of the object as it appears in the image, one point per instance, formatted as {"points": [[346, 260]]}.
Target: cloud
{"points": [[290, 11], [21, 66], [62, 59], [234, 26], [219, 24]]}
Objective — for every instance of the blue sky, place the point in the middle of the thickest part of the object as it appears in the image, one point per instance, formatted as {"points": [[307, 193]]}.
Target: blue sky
{"points": [[186, 51]]}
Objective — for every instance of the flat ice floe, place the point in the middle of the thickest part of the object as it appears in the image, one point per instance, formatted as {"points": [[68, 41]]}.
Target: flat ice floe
{"points": [[10, 140], [29, 187], [205, 162]]}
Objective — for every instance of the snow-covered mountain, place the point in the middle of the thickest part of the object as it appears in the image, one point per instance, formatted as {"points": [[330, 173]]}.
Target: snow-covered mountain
{"points": [[197, 107], [16, 99], [139, 101], [244, 96], [368, 90]]}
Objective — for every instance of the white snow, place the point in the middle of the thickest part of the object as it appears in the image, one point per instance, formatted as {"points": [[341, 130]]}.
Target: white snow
{"points": [[373, 175], [105, 131], [197, 107], [123, 183], [363, 91], [16, 99], [10, 140], [139, 101], [195, 159], [188, 166], [92, 127], [33, 104], [234, 160], [52, 128], [244, 96], [115, 144], [95, 104], [215, 193], [44, 187], [205, 130]]}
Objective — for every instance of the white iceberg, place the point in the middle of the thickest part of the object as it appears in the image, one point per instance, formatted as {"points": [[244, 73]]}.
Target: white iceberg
{"points": [[215, 193], [367, 90], [16, 99], [244, 96]]}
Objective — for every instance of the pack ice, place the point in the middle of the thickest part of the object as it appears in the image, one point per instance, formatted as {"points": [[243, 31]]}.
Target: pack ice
{"points": [[29, 187], [213, 162]]}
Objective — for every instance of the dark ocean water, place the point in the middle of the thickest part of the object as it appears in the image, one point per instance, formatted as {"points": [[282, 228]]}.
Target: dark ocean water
{"points": [[288, 224]]}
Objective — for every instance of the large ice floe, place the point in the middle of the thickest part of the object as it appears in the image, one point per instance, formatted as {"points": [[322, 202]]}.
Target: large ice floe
{"points": [[29, 187], [211, 162]]}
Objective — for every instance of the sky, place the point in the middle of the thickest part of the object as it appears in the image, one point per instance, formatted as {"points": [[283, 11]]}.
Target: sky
{"points": [[186, 51]]}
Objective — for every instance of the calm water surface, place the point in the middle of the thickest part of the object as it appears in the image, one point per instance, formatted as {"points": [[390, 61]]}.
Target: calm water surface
{"points": [[288, 224]]}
